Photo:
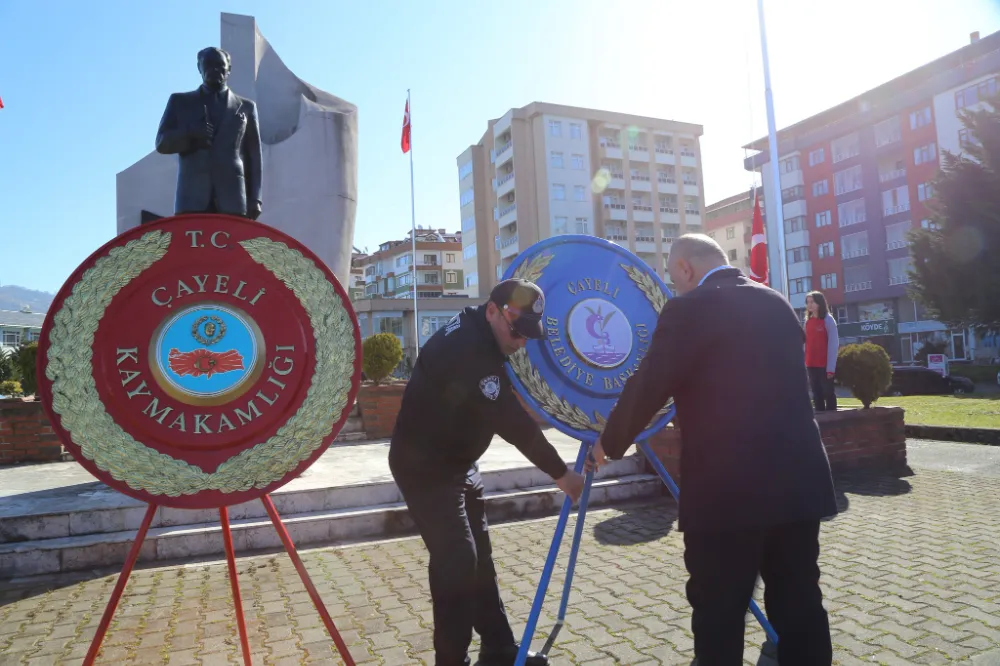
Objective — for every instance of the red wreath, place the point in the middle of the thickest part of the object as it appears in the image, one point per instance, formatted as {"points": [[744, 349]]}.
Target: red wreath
{"points": [[204, 362]]}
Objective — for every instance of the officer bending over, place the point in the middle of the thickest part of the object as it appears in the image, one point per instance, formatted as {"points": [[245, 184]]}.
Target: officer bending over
{"points": [[457, 399]]}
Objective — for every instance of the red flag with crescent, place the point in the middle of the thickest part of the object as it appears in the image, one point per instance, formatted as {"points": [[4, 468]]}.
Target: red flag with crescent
{"points": [[200, 362], [405, 140], [758, 245]]}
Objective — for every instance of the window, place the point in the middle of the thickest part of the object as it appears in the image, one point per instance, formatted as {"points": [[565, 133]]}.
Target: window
{"points": [[896, 235], [790, 164], [730, 233], [828, 281], [692, 206], [432, 278], [930, 225], [800, 285], [471, 279], [733, 255], [823, 219], [854, 245], [556, 158], [555, 128], [430, 325], [920, 118], [797, 255], [792, 194], [967, 139], [392, 325], [857, 277], [845, 147], [887, 131], [451, 277], [560, 226], [925, 153], [925, 191], [817, 156], [467, 196], [12, 338], [499, 272], [851, 212], [403, 260], [896, 200], [847, 180], [577, 162], [449, 258], [430, 260], [579, 193], [793, 224], [821, 187], [842, 314], [582, 225], [899, 270], [469, 252], [825, 250], [559, 192], [464, 170], [976, 93], [468, 223], [575, 131]]}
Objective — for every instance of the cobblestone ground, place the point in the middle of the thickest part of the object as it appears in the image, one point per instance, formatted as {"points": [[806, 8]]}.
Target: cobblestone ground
{"points": [[910, 572]]}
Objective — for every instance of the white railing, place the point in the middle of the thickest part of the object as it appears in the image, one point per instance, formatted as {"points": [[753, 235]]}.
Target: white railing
{"points": [[502, 149], [640, 176], [848, 220], [615, 206], [663, 150], [615, 237], [509, 241], [638, 148], [668, 209], [851, 254], [895, 210], [642, 207], [858, 286], [663, 180], [509, 209], [885, 176], [609, 143], [504, 179], [886, 140], [895, 245], [899, 279]]}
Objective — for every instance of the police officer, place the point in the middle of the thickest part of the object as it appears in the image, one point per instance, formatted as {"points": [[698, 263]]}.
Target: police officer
{"points": [[457, 399]]}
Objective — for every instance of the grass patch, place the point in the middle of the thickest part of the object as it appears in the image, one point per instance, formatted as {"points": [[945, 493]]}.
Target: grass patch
{"points": [[972, 411]]}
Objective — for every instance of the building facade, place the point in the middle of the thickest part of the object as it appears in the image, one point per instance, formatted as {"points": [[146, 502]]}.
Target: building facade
{"points": [[17, 328], [544, 170], [730, 223], [389, 272], [856, 178]]}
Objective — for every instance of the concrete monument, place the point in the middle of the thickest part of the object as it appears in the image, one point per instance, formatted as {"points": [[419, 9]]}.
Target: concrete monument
{"points": [[309, 148]]}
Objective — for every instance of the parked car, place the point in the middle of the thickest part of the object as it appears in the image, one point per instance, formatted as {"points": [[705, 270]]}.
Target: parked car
{"points": [[916, 380]]}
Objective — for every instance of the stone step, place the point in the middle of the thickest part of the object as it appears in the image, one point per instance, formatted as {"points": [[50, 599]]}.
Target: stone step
{"points": [[313, 519], [70, 512]]}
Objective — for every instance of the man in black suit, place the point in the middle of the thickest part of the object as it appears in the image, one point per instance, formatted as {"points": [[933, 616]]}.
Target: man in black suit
{"points": [[755, 477], [216, 136]]}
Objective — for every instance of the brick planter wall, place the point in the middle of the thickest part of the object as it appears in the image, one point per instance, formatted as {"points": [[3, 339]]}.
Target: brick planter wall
{"points": [[854, 439], [379, 407], [25, 434]]}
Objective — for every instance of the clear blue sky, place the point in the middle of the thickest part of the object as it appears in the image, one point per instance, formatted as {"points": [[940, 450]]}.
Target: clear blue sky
{"points": [[84, 84]]}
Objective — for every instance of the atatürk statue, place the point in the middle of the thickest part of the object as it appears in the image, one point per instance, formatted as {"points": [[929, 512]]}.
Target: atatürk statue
{"points": [[216, 136]]}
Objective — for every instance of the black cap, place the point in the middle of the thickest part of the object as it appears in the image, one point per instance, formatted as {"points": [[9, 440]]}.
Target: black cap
{"points": [[524, 304]]}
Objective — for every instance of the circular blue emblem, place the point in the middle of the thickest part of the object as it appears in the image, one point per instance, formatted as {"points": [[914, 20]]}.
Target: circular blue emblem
{"points": [[602, 304], [207, 354]]}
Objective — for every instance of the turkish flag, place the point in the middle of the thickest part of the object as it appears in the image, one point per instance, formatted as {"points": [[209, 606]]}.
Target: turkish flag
{"points": [[758, 245], [405, 142], [1, 102]]}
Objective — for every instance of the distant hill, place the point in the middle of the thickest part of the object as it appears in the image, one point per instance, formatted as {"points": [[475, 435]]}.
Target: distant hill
{"points": [[15, 298]]}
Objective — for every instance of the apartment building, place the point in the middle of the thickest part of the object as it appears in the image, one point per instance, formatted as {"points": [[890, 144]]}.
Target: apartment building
{"points": [[544, 169], [389, 272], [356, 281], [19, 327], [383, 315], [856, 178], [730, 223]]}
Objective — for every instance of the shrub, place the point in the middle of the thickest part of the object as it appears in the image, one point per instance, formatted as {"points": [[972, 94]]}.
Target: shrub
{"points": [[7, 369], [381, 353], [10, 388], [24, 359], [980, 374], [865, 369]]}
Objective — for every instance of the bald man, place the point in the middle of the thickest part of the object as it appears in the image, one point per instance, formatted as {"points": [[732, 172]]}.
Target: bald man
{"points": [[755, 479]]}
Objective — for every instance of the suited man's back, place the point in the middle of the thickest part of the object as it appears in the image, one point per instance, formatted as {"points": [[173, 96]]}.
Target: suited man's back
{"points": [[753, 455]]}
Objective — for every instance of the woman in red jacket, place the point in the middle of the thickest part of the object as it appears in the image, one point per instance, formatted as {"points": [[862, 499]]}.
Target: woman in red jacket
{"points": [[822, 343]]}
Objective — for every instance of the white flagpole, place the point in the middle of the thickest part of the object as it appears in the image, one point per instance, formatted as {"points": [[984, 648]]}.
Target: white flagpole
{"points": [[413, 232], [775, 228]]}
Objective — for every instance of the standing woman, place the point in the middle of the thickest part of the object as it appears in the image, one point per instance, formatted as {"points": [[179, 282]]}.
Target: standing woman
{"points": [[822, 343]]}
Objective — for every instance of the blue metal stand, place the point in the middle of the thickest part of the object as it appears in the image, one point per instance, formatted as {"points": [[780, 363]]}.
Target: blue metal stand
{"points": [[550, 562], [675, 491]]}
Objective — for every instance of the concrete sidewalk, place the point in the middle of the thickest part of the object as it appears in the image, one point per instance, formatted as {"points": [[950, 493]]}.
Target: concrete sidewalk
{"points": [[910, 576]]}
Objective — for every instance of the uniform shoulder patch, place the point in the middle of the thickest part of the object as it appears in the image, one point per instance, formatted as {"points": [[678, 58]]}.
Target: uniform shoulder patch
{"points": [[490, 386]]}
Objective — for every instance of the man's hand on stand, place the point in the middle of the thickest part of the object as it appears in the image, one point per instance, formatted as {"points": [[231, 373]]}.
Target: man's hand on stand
{"points": [[571, 483], [596, 459]]}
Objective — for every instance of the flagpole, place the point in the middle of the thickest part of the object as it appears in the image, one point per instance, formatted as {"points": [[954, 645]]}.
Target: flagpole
{"points": [[413, 232], [777, 225]]}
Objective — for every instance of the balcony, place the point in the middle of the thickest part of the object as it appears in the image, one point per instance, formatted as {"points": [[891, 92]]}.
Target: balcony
{"points": [[642, 213], [800, 269], [897, 245], [507, 215], [896, 210], [616, 180], [688, 158], [858, 286], [854, 254], [611, 148], [691, 188], [884, 140], [797, 238], [615, 211], [899, 279], [640, 183], [641, 150], [508, 247], [504, 152], [665, 155], [886, 176], [846, 154], [645, 244], [505, 184], [848, 220], [667, 186]]}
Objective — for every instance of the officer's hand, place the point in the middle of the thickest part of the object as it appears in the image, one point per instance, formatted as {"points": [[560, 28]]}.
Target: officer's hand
{"points": [[571, 483], [596, 459]]}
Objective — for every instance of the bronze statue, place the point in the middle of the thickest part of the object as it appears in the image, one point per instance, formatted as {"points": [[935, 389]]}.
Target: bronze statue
{"points": [[216, 136]]}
